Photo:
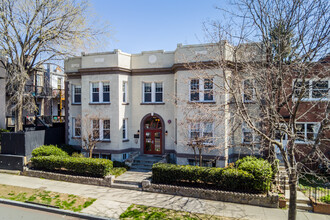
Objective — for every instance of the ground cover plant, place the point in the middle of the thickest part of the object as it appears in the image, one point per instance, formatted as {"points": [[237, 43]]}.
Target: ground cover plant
{"points": [[248, 175], [60, 200], [147, 212]]}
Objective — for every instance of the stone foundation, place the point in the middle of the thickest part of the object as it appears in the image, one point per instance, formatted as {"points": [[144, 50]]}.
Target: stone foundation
{"points": [[270, 201], [106, 181]]}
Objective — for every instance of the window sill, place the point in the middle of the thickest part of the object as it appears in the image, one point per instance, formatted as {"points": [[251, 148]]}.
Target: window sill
{"points": [[75, 103], [104, 141], [76, 138], [99, 103], [201, 102], [125, 103], [312, 99], [126, 140], [152, 103]]}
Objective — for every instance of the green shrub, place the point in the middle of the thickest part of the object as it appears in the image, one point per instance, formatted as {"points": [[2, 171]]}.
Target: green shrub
{"points": [[75, 165], [260, 169], [76, 154], [69, 149], [48, 150], [230, 179], [120, 164], [325, 199]]}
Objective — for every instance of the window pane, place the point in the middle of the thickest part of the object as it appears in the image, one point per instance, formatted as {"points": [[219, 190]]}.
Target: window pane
{"points": [[95, 92], [95, 87], [106, 134], [77, 132], [147, 87], [77, 98], [247, 137], [124, 91], [194, 96], [96, 97], [147, 97], [300, 86], [208, 83], [159, 97], [106, 92], [194, 84], [320, 89], [106, 124], [248, 90], [159, 87]]}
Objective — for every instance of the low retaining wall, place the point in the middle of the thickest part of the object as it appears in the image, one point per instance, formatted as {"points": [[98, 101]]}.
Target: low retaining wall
{"points": [[12, 162], [320, 207], [270, 201], [106, 181]]}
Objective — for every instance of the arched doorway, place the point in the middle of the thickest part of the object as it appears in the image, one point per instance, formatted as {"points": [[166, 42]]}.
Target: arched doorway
{"points": [[152, 140]]}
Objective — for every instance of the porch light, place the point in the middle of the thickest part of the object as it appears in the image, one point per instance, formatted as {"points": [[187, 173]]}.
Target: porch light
{"points": [[166, 133], [138, 132]]}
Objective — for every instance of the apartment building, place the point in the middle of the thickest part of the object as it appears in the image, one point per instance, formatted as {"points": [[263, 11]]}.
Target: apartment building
{"points": [[154, 103], [47, 87]]}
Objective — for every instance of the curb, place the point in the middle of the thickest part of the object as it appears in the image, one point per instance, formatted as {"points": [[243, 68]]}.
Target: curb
{"points": [[53, 210]]}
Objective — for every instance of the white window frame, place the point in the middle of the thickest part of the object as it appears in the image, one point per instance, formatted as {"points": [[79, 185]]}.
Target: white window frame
{"points": [[74, 93], [59, 82], [153, 92], [310, 92], [100, 91], [101, 129], [253, 92], [124, 92], [201, 131], [74, 128], [125, 129], [306, 141], [201, 90]]}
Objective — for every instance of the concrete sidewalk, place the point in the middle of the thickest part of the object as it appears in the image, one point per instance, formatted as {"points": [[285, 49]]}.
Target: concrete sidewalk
{"points": [[112, 202]]}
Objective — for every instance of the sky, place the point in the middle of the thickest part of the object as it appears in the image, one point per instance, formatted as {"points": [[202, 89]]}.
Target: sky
{"points": [[142, 25]]}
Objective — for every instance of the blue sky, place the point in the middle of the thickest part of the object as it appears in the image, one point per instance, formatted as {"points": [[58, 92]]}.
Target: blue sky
{"points": [[141, 25]]}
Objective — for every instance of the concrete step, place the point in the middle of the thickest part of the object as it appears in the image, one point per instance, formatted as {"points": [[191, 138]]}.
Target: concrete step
{"points": [[128, 182], [126, 186], [141, 167], [145, 162], [302, 206]]}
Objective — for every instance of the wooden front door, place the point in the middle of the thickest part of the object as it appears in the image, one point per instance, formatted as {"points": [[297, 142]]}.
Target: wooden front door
{"points": [[152, 141]]}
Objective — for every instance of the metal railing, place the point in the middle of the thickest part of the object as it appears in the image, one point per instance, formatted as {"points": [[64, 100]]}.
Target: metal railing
{"points": [[44, 120], [316, 191], [44, 91]]}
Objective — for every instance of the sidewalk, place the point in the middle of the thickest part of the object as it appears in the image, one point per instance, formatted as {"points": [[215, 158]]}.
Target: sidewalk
{"points": [[112, 202]]}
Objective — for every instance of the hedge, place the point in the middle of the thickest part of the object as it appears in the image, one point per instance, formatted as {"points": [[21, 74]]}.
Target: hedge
{"points": [[251, 175], [48, 150], [80, 166], [260, 169]]}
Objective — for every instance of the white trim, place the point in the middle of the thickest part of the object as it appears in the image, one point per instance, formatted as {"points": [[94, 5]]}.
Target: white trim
{"points": [[74, 93], [310, 88], [101, 83], [153, 92], [305, 132], [74, 127], [201, 131], [201, 90], [245, 128], [124, 92]]}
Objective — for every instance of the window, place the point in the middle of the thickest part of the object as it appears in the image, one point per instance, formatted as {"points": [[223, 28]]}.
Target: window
{"points": [[125, 129], [247, 134], [95, 92], [205, 163], [96, 128], [106, 130], [106, 92], [202, 132], [306, 131], [248, 90], [76, 94], [124, 92], [101, 129], [153, 92], [59, 83], [106, 156], [100, 92], [76, 127], [201, 90], [124, 156], [39, 80], [313, 89]]}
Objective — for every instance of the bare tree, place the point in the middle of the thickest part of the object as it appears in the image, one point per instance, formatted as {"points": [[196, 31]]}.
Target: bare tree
{"points": [[282, 81], [35, 32]]}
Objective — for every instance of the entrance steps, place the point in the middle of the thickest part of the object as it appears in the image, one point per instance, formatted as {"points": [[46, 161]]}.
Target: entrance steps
{"points": [[145, 162], [131, 180]]}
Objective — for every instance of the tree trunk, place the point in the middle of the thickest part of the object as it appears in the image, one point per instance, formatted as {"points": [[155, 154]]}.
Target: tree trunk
{"points": [[19, 121], [293, 196]]}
